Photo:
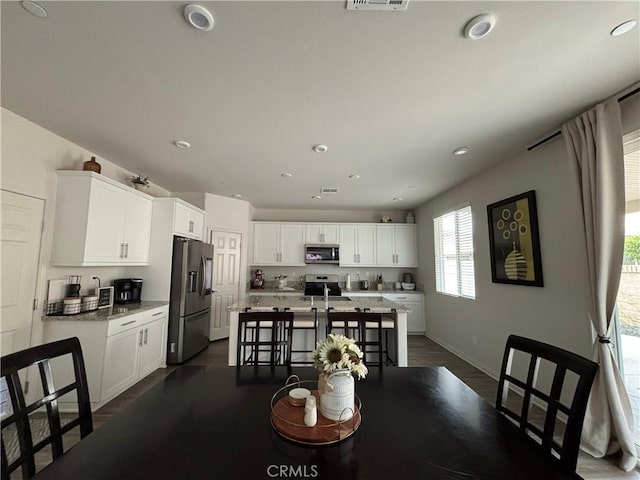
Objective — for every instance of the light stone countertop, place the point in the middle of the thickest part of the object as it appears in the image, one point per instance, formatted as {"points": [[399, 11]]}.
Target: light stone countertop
{"points": [[111, 313], [267, 303]]}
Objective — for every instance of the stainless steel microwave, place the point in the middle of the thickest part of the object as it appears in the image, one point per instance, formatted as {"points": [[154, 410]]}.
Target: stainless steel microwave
{"points": [[321, 253]]}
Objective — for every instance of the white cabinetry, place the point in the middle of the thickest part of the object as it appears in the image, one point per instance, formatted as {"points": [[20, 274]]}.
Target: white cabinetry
{"points": [[357, 245], [413, 301], [278, 244], [117, 353], [186, 220], [322, 233], [99, 221], [396, 246]]}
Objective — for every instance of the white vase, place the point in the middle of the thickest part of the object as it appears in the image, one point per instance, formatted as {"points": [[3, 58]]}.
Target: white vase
{"points": [[337, 395]]}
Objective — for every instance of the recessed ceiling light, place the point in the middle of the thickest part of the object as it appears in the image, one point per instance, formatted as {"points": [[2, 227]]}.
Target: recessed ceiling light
{"points": [[320, 148], [316, 197], [286, 175], [461, 151], [236, 195], [624, 28], [479, 26], [34, 9], [198, 17], [397, 199], [182, 144], [355, 176]]}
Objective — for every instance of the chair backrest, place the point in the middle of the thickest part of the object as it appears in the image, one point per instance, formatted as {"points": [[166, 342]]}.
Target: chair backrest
{"points": [[359, 323], [565, 446], [267, 336], [17, 419]]}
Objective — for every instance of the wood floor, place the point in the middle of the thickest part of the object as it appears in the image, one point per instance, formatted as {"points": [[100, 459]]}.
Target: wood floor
{"points": [[422, 352]]}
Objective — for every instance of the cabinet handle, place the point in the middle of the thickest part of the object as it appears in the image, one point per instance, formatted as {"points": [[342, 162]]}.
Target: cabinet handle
{"points": [[146, 335], [156, 314], [127, 323], [126, 251], [122, 250], [140, 341], [191, 226]]}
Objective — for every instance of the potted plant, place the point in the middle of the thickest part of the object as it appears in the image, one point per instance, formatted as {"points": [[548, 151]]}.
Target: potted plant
{"points": [[139, 181]]}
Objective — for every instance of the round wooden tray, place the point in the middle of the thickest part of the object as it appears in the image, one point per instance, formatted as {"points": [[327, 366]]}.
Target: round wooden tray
{"points": [[288, 420]]}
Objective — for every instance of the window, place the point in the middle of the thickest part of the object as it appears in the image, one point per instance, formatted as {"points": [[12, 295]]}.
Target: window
{"points": [[453, 240]]}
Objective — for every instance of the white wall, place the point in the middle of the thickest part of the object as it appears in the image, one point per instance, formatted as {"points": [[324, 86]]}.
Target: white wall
{"points": [[30, 157], [556, 313]]}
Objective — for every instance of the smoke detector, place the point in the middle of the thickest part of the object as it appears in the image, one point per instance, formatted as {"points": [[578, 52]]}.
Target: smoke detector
{"points": [[377, 5]]}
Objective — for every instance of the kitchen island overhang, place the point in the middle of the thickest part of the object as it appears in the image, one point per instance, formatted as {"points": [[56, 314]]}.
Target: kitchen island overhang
{"points": [[310, 305]]}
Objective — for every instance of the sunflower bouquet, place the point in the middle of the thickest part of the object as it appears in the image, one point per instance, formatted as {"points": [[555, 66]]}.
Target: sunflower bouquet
{"points": [[338, 352]]}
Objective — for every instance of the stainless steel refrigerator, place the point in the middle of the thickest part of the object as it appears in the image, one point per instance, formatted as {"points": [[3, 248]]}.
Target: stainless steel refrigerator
{"points": [[190, 302]]}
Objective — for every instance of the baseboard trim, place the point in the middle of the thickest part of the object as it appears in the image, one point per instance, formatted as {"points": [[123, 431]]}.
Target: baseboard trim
{"points": [[458, 353]]}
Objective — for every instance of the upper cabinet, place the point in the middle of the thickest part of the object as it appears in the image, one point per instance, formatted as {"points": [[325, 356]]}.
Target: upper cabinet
{"points": [[187, 220], [396, 245], [278, 244], [100, 222], [322, 233], [357, 245]]}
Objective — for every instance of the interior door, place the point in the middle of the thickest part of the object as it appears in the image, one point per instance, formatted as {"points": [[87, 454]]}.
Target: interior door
{"points": [[21, 233], [226, 279]]}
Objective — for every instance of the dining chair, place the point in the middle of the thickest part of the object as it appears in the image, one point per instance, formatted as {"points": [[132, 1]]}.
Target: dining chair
{"points": [[563, 406], [264, 338], [360, 326], [21, 417]]}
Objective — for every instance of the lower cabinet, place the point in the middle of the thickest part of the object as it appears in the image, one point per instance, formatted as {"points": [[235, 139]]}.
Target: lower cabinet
{"points": [[117, 353], [413, 301]]}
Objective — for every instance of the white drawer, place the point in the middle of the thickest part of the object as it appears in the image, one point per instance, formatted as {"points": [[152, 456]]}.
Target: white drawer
{"points": [[128, 322]]}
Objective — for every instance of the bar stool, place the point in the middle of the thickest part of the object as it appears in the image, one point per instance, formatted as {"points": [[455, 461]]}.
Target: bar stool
{"points": [[388, 327], [264, 338], [306, 325], [356, 325]]}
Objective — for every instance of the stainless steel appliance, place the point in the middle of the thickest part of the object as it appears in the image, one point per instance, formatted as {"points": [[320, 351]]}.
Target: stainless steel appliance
{"points": [[127, 290], [314, 285], [322, 253], [190, 301]]}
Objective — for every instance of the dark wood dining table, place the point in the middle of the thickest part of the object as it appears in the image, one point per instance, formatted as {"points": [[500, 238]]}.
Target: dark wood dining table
{"points": [[214, 423]]}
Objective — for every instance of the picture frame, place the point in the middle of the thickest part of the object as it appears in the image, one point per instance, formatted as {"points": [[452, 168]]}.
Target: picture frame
{"points": [[105, 297], [514, 241]]}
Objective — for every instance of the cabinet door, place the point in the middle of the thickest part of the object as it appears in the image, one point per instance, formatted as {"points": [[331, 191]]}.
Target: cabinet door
{"points": [[197, 224], [266, 244], [385, 251], [415, 318], [120, 363], [313, 233], [406, 246], [292, 245], [105, 225], [137, 230], [153, 342], [182, 220], [348, 239], [367, 245], [331, 234]]}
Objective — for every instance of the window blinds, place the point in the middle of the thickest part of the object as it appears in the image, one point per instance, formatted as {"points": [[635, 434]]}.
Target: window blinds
{"points": [[453, 240]]}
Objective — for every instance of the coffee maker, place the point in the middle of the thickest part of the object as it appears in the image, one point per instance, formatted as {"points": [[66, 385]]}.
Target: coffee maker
{"points": [[127, 290]]}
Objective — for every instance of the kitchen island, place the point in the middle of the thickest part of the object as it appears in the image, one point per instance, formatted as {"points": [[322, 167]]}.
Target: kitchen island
{"points": [[306, 306]]}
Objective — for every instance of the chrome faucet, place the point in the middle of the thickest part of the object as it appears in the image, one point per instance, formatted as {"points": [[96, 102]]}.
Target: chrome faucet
{"points": [[326, 293]]}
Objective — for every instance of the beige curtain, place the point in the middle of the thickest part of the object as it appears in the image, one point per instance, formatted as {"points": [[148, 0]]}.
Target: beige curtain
{"points": [[594, 147]]}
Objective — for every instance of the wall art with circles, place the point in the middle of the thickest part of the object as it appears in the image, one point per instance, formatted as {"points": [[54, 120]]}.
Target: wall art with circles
{"points": [[514, 242]]}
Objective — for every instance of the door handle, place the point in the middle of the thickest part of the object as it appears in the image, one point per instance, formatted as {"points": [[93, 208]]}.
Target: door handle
{"points": [[146, 335], [204, 280], [140, 339]]}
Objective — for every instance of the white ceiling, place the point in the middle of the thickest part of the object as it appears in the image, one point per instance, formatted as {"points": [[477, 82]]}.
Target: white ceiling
{"points": [[390, 93]]}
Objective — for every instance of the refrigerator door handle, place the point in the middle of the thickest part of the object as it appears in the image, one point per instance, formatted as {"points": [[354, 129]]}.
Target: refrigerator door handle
{"points": [[204, 280]]}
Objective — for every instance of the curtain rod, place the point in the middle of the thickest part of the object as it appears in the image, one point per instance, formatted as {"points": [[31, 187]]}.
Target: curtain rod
{"points": [[554, 135]]}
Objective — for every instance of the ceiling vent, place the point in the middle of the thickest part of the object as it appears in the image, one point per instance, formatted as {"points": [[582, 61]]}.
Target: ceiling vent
{"points": [[329, 190], [377, 4]]}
